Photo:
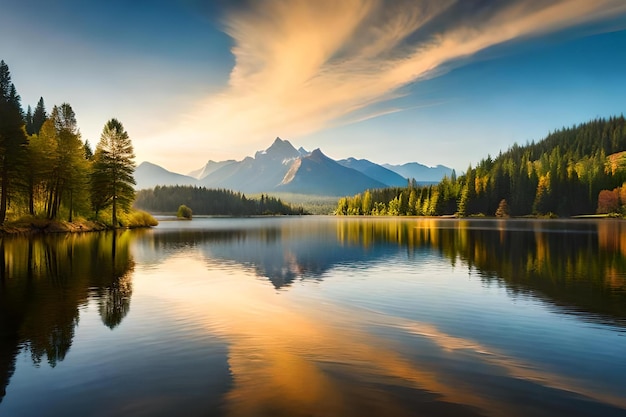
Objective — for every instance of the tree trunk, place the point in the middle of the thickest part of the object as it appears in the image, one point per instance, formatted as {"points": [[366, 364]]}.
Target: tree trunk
{"points": [[114, 217], [31, 199], [71, 205], [4, 183]]}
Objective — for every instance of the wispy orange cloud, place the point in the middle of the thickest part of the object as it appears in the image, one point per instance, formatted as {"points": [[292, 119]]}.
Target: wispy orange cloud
{"points": [[303, 66]]}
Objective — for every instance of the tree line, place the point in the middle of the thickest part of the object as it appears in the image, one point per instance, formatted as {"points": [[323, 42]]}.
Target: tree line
{"points": [[215, 202], [575, 170], [46, 170]]}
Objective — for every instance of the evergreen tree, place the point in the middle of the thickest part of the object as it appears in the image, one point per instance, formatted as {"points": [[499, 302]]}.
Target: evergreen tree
{"points": [[113, 168], [87, 150], [42, 150], [39, 116], [28, 120], [12, 138], [68, 181]]}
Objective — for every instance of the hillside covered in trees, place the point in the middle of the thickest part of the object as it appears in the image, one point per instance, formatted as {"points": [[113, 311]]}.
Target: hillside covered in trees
{"points": [[48, 172], [203, 201], [576, 170]]}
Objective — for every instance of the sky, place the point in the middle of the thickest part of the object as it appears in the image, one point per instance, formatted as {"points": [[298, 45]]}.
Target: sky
{"points": [[392, 81]]}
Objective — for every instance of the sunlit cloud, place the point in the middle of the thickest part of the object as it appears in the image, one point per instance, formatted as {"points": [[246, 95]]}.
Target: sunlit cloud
{"points": [[303, 66]]}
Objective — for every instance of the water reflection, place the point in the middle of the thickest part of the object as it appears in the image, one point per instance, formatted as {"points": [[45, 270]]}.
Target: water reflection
{"points": [[325, 316], [318, 356], [281, 251], [578, 265], [46, 279]]}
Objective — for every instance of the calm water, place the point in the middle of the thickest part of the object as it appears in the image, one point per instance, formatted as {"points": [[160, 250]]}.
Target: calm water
{"points": [[317, 316]]}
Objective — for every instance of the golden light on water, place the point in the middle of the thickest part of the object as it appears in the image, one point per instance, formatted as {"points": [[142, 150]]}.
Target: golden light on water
{"points": [[287, 352]]}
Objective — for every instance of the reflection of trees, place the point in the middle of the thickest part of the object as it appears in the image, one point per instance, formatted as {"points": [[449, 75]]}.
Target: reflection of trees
{"points": [[282, 254], [45, 279], [578, 265], [115, 283], [115, 301]]}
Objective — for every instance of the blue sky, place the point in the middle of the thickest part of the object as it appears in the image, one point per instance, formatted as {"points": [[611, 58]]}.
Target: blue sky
{"points": [[433, 81]]}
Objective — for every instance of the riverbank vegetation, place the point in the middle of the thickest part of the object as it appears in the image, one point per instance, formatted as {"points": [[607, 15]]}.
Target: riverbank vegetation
{"points": [[51, 179], [573, 171], [212, 202]]}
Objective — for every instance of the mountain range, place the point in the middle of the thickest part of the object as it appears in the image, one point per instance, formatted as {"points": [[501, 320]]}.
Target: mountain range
{"points": [[283, 168]]}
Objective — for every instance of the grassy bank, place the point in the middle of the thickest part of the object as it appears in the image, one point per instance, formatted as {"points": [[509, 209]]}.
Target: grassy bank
{"points": [[31, 224]]}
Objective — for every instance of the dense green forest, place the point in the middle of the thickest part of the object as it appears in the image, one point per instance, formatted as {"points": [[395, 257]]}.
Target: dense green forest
{"points": [[576, 170], [167, 199], [47, 171]]}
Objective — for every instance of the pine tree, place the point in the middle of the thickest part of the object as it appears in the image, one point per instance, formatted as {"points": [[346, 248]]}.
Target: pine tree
{"points": [[12, 138], [42, 151], [87, 150], [112, 178], [28, 119], [503, 209], [68, 180], [39, 116]]}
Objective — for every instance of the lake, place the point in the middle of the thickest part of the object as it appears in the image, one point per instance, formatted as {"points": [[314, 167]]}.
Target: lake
{"points": [[317, 316]]}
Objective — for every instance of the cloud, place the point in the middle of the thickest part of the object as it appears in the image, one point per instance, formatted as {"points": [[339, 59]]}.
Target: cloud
{"points": [[302, 66]]}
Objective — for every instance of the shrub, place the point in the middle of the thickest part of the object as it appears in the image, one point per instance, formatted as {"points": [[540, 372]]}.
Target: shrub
{"points": [[184, 212], [138, 218]]}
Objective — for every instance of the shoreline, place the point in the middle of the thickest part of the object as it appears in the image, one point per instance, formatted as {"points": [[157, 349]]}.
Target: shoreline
{"points": [[41, 226]]}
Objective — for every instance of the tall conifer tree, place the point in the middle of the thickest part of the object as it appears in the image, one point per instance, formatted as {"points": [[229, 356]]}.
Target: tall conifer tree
{"points": [[12, 137], [112, 178], [39, 116]]}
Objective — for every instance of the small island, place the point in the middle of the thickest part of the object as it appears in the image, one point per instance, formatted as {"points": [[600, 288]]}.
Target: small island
{"points": [[184, 212]]}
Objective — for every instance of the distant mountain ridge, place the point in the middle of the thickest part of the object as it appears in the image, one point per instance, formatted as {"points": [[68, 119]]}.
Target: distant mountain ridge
{"points": [[149, 175], [209, 168], [421, 173], [379, 173], [283, 168]]}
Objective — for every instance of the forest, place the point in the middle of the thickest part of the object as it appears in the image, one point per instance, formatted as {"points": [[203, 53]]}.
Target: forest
{"points": [[573, 171], [203, 201], [48, 172]]}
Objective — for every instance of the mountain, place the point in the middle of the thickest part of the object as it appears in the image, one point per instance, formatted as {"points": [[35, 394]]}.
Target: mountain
{"points": [[421, 173], [375, 171], [149, 175], [209, 168], [282, 168], [316, 173], [262, 173]]}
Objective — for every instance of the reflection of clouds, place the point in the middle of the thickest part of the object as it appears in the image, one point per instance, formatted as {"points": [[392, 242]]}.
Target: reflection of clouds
{"points": [[295, 356], [513, 367]]}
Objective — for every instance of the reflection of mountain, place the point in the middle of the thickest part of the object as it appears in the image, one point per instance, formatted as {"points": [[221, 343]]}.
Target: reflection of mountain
{"points": [[281, 253], [579, 266], [45, 279]]}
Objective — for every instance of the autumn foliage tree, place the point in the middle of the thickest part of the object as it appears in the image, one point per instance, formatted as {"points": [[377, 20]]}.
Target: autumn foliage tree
{"points": [[608, 201]]}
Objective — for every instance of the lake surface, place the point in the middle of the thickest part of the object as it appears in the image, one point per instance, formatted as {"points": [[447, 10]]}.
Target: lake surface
{"points": [[317, 316]]}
